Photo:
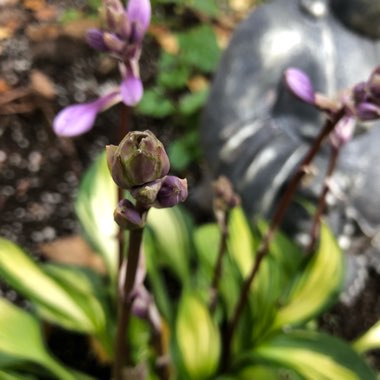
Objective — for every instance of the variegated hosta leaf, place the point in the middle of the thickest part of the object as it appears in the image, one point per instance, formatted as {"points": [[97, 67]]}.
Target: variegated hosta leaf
{"points": [[318, 285], [95, 204], [370, 340], [21, 339], [312, 355], [197, 338], [66, 307], [170, 235]]}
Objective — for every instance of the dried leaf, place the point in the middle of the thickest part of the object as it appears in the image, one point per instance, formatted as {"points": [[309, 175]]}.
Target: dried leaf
{"points": [[5, 33], [197, 83], [4, 87], [73, 250], [34, 5], [42, 84], [40, 33], [167, 40]]}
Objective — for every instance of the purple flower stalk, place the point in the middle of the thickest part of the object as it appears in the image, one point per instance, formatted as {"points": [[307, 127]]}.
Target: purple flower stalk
{"points": [[123, 38], [362, 102]]}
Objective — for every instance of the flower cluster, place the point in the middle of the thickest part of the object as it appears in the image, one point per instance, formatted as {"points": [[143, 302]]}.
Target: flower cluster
{"points": [[362, 102], [126, 28], [140, 165]]}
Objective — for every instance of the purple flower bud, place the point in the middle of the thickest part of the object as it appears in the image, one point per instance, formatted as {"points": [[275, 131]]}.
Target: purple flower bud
{"points": [[139, 12], [127, 217], [144, 307], [79, 118], [114, 13], [131, 89], [367, 111], [225, 197], [147, 193], [374, 85], [94, 38], [173, 191], [113, 43], [359, 92], [343, 131], [300, 85], [140, 158]]}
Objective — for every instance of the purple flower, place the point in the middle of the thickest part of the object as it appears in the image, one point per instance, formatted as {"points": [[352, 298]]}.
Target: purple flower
{"points": [[300, 85], [123, 40], [173, 191], [79, 118]]}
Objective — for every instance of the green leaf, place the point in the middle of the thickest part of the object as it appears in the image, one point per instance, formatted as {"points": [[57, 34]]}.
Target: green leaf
{"points": [[10, 375], [173, 74], [87, 288], [197, 338], [169, 231], [241, 242], [199, 48], [370, 340], [20, 337], [184, 150], [207, 7], [312, 355], [193, 102], [317, 287], [207, 241], [155, 104], [58, 304], [95, 203]]}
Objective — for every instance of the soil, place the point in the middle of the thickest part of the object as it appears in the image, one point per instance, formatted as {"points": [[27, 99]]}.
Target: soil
{"points": [[39, 172]]}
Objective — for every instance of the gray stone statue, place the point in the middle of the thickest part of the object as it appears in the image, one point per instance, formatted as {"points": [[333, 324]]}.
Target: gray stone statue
{"points": [[256, 132]]}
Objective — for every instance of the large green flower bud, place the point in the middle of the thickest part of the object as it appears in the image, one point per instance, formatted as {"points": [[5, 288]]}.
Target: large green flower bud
{"points": [[139, 158]]}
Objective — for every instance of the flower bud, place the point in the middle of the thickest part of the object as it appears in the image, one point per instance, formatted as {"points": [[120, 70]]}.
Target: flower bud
{"points": [[127, 217], [140, 158], [173, 191], [94, 38], [225, 197], [367, 111], [147, 193], [300, 85]]}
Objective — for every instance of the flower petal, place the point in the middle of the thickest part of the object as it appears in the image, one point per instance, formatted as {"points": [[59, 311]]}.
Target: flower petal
{"points": [[77, 119], [300, 85], [139, 11], [343, 131], [131, 90]]}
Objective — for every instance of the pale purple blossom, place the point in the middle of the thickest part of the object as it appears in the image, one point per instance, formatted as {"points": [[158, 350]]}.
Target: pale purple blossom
{"points": [[300, 85], [126, 28]]}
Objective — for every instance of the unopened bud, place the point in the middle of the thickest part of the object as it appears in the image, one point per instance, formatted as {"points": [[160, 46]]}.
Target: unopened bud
{"points": [[140, 158], [173, 191], [94, 38], [367, 111], [300, 85], [147, 194], [113, 42], [127, 217], [225, 197]]}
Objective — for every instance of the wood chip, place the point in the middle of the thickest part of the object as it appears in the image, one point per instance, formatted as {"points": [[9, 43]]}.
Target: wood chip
{"points": [[167, 40], [42, 84], [73, 250]]}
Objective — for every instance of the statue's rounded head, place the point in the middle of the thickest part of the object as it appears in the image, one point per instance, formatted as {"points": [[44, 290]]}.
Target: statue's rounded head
{"points": [[362, 16]]}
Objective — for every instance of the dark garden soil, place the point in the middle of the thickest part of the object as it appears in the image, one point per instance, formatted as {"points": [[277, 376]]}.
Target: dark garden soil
{"points": [[43, 67]]}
